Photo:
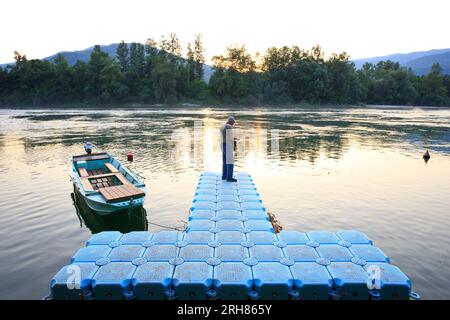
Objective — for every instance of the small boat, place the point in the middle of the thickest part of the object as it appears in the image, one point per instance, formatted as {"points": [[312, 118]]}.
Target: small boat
{"points": [[105, 184]]}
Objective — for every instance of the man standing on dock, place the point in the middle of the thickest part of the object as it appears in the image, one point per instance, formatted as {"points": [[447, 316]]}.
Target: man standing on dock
{"points": [[226, 133]]}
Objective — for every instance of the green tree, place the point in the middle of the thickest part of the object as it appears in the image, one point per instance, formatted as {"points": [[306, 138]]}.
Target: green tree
{"points": [[342, 79], [198, 57], [111, 79], [164, 76], [62, 86], [98, 61], [190, 63], [434, 91], [123, 56], [233, 73]]}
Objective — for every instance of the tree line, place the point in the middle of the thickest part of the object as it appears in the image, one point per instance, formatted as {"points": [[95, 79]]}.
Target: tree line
{"points": [[158, 72]]}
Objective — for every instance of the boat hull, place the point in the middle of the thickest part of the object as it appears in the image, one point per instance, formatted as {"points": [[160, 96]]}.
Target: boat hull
{"points": [[103, 208]]}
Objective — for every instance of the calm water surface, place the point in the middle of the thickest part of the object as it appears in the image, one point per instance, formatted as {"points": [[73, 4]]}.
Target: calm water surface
{"points": [[316, 169]]}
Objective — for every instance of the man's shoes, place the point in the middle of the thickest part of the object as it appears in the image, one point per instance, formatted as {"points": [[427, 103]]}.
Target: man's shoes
{"points": [[224, 178], [231, 180]]}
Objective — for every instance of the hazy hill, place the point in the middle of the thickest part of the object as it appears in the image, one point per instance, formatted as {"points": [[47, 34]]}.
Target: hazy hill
{"points": [[420, 61], [422, 65]]}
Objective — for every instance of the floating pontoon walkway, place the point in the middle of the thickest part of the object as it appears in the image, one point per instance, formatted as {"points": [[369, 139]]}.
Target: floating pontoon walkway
{"points": [[230, 251]]}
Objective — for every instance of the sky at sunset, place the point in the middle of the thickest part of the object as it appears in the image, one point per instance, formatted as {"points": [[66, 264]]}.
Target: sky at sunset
{"points": [[363, 28]]}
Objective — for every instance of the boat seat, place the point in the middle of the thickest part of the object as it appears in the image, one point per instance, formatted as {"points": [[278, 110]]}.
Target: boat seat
{"points": [[83, 172], [93, 156], [111, 168], [121, 193], [87, 186]]}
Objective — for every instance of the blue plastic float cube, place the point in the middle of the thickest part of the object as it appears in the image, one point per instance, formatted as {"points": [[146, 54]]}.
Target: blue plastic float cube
{"points": [[389, 281], [207, 182], [262, 237], [258, 225], [126, 253], [151, 280], [167, 237], [272, 281], [233, 280], [245, 183], [369, 253], [266, 253], [221, 192], [209, 174], [227, 197], [203, 205], [136, 237], [205, 197], [242, 192], [200, 225], [205, 189], [255, 215], [208, 178], [226, 185], [196, 252], [334, 253], [323, 237], [252, 206], [192, 280], [199, 237], [242, 175], [250, 198], [105, 237], [230, 237], [72, 280], [349, 280], [228, 205], [300, 253], [293, 237], [201, 215], [231, 253], [230, 225], [161, 252], [228, 214], [312, 280], [113, 280], [91, 253], [354, 237]]}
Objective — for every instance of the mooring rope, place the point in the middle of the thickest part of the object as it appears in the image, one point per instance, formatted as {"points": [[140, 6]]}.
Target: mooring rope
{"points": [[181, 229]]}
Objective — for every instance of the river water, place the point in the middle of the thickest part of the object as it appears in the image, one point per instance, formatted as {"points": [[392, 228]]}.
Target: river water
{"points": [[315, 168]]}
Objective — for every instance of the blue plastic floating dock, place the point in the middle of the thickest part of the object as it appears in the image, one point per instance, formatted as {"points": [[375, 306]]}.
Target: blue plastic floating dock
{"points": [[230, 251]]}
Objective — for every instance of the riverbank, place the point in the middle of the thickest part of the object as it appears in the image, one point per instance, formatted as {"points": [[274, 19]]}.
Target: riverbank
{"points": [[190, 105]]}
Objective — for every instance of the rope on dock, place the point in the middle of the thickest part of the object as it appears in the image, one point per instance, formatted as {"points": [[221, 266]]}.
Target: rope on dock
{"points": [[277, 227]]}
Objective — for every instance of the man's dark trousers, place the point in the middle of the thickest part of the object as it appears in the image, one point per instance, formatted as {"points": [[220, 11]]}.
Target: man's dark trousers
{"points": [[227, 169]]}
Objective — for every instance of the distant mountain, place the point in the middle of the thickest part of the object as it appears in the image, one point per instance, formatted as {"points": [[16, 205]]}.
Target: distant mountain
{"points": [[423, 65], [84, 55], [420, 61]]}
